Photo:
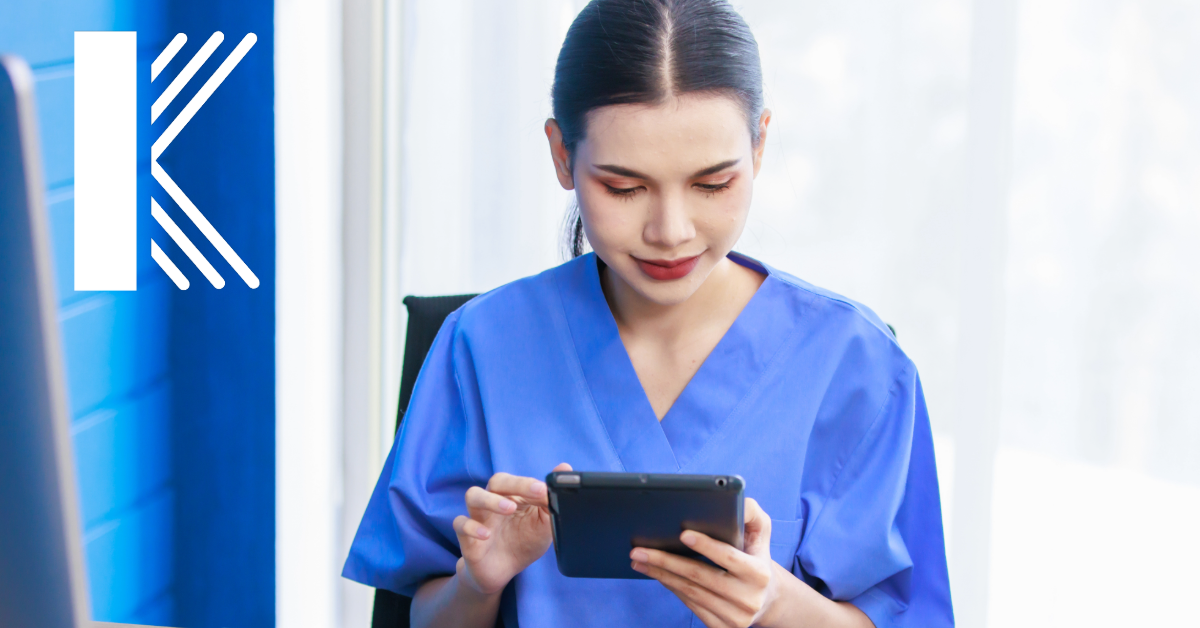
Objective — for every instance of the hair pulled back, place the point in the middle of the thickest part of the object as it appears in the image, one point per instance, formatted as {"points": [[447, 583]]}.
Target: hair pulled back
{"points": [[621, 52]]}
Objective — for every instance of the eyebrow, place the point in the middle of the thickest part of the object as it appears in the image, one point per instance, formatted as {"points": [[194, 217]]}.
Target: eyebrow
{"points": [[633, 174]]}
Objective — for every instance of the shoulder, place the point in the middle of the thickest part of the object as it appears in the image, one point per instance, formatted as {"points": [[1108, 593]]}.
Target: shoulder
{"points": [[513, 309], [847, 332], [867, 387], [836, 307]]}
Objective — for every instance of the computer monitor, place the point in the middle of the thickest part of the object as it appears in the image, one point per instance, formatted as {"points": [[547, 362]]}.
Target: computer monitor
{"points": [[42, 578]]}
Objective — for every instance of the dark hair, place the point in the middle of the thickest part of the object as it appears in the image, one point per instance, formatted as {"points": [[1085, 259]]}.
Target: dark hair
{"points": [[646, 51]]}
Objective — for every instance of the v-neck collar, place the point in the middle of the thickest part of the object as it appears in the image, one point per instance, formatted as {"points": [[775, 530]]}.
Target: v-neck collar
{"points": [[726, 377]]}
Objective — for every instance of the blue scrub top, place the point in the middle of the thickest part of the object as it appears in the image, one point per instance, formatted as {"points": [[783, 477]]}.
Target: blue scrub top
{"points": [[807, 396]]}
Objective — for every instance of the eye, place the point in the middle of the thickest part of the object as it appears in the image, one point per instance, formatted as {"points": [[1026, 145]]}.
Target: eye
{"points": [[710, 189], [621, 192]]}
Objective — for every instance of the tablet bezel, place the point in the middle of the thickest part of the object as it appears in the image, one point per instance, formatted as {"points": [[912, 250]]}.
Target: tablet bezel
{"points": [[707, 500]]}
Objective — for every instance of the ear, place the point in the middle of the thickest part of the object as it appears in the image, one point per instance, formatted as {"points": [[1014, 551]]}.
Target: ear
{"points": [[763, 122], [560, 155]]}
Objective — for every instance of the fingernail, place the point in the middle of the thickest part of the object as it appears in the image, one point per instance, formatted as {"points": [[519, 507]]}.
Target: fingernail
{"points": [[508, 505], [638, 566], [484, 533], [639, 555], [688, 539], [538, 487]]}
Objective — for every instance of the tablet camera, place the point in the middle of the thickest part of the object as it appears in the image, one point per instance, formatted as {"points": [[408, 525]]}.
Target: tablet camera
{"points": [[721, 482]]}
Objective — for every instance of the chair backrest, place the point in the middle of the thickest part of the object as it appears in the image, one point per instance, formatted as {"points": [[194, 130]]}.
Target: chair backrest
{"points": [[425, 318]]}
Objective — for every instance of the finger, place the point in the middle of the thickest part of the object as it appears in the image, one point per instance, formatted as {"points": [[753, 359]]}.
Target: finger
{"points": [[527, 490], [478, 499], [708, 618], [469, 529], [562, 466], [758, 530], [756, 517], [701, 600], [726, 556], [686, 568], [472, 537]]}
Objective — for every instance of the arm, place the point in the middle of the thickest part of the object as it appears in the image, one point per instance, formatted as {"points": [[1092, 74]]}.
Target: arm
{"points": [[446, 601], [507, 528], [751, 590], [799, 605]]}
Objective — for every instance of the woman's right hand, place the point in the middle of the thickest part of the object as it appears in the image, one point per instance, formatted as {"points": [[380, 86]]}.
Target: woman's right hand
{"points": [[508, 528]]}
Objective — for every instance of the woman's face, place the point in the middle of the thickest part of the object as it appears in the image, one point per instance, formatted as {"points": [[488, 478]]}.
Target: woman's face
{"points": [[663, 190]]}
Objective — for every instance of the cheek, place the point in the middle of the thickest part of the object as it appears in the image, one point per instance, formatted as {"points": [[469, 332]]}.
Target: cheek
{"points": [[608, 221], [727, 216]]}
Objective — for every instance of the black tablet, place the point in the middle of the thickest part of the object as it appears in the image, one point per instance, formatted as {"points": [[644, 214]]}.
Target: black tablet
{"points": [[598, 518]]}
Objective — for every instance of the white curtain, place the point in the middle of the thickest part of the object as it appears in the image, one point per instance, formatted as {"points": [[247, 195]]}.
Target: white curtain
{"points": [[481, 206], [1097, 477]]}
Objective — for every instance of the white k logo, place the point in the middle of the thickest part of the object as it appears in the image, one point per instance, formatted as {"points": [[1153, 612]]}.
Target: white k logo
{"points": [[104, 140]]}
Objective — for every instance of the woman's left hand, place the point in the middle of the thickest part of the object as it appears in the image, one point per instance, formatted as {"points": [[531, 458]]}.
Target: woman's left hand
{"points": [[740, 595]]}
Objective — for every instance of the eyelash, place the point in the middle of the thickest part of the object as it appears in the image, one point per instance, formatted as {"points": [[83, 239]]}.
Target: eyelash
{"points": [[707, 189], [623, 193], [713, 190]]}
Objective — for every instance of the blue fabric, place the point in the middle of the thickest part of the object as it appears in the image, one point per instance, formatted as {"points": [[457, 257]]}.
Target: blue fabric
{"points": [[807, 397]]}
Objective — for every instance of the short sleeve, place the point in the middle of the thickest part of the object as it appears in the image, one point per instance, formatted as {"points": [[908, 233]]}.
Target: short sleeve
{"points": [[877, 539], [406, 535]]}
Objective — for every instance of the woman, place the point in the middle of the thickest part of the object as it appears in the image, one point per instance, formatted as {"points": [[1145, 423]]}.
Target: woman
{"points": [[662, 351]]}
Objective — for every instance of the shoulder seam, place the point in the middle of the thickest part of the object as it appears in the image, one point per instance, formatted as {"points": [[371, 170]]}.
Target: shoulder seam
{"points": [[857, 308]]}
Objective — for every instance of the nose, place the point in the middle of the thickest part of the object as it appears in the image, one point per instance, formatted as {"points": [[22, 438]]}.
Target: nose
{"points": [[669, 224]]}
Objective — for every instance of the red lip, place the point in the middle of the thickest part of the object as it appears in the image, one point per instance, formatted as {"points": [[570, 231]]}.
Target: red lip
{"points": [[666, 270]]}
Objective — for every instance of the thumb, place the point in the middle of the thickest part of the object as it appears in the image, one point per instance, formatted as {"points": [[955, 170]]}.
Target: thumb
{"points": [[758, 530]]}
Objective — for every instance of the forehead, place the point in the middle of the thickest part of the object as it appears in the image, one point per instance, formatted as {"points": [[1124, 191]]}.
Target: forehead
{"points": [[681, 135]]}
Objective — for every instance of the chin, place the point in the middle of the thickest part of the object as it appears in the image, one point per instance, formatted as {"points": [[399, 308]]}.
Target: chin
{"points": [[666, 294]]}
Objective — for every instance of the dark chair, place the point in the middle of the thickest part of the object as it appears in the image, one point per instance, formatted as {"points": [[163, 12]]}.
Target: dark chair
{"points": [[425, 317]]}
